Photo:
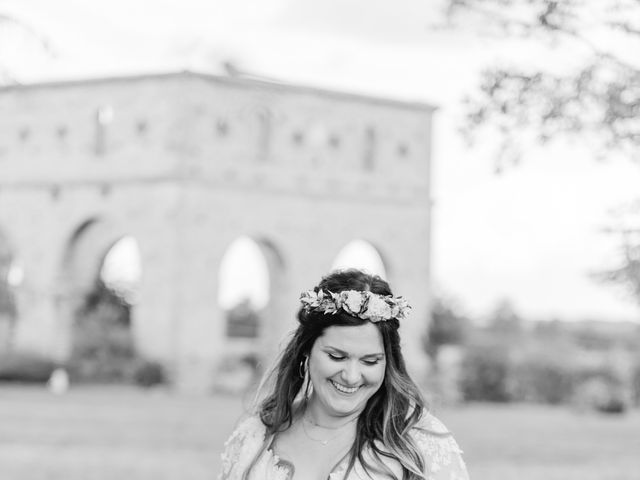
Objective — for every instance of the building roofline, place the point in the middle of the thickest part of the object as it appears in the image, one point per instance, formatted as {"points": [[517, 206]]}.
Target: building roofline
{"points": [[241, 81]]}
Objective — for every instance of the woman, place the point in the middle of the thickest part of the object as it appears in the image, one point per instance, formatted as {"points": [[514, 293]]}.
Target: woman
{"points": [[341, 404]]}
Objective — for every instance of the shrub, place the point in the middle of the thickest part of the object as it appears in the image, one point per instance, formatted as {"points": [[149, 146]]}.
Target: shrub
{"points": [[96, 360], [103, 350], [603, 389], [149, 374], [25, 367], [447, 327], [542, 379], [485, 374]]}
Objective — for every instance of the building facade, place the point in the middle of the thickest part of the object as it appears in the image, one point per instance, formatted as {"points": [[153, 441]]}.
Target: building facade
{"points": [[185, 163]]}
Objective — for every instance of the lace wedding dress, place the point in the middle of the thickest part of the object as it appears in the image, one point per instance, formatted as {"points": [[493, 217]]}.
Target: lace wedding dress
{"points": [[442, 456]]}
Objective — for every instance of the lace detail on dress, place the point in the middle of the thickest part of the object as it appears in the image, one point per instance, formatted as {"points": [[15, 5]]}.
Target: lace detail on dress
{"points": [[241, 447], [269, 467], [442, 455]]}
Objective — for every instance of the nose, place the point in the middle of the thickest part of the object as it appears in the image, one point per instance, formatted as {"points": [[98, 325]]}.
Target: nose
{"points": [[351, 374]]}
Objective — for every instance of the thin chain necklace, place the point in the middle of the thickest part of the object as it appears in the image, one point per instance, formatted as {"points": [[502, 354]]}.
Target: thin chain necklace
{"points": [[326, 441]]}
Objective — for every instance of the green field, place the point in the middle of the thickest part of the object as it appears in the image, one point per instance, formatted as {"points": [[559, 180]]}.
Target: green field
{"points": [[119, 433]]}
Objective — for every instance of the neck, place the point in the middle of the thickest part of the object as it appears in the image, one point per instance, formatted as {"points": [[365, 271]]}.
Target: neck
{"points": [[318, 416]]}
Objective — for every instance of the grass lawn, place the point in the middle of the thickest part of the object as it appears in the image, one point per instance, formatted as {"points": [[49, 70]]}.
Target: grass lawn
{"points": [[119, 433], [525, 442]]}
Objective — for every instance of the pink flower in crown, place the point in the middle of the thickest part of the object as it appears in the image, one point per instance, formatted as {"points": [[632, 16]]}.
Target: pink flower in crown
{"points": [[352, 301], [377, 309]]}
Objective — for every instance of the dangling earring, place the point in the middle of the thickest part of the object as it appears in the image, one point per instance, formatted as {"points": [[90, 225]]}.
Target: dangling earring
{"points": [[303, 368], [306, 378]]}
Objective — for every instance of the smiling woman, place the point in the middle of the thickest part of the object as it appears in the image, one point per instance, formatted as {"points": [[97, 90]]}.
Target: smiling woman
{"points": [[346, 367], [339, 403]]}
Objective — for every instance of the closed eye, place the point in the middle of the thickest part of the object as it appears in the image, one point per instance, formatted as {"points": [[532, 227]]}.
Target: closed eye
{"points": [[335, 357], [371, 362]]}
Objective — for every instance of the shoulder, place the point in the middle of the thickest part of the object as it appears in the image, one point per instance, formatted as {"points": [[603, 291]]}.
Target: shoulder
{"points": [[243, 445], [429, 423], [442, 455], [249, 426]]}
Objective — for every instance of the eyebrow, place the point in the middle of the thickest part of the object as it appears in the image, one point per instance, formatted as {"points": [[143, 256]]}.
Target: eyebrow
{"points": [[346, 354]]}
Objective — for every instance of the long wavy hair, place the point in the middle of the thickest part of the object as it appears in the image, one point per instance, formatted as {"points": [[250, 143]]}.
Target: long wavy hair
{"points": [[389, 414]]}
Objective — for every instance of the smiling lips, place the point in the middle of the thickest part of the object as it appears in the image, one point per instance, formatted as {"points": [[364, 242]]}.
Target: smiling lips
{"points": [[343, 389]]}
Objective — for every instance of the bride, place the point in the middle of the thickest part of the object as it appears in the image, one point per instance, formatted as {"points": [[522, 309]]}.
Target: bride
{"points": [[339, 403]]}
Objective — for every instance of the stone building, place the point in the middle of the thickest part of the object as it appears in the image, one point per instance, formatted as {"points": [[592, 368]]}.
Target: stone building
{"points": [[185, 163]]}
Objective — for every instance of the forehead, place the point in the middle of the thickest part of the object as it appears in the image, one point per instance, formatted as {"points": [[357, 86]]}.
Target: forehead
{"points": [[357, 340]]}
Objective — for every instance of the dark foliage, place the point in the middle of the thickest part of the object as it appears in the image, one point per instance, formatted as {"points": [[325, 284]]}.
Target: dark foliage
{"points": [[485, 373], [149, 374], [447, 327], [103, 349], [542, 378], [25, 367]]}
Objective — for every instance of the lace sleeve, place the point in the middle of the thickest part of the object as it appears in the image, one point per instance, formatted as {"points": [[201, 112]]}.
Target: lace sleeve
{"points": [[442, 455], [241, 447]]}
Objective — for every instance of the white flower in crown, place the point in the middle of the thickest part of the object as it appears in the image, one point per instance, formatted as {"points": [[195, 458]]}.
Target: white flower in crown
{"points": [[352, 301], [377, 309], [400, 308]]}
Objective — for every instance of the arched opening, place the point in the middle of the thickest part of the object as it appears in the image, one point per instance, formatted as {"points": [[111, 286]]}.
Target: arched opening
{"points": [[244, 287], [250, 276], [121, 269], [360, 254], [102, 272], [11, 275]]}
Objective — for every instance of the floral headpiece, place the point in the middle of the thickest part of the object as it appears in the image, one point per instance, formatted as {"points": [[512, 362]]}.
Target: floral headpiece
{"points": [[361, 304]]}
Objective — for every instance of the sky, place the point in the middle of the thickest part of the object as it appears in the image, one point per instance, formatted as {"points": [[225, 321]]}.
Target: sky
{"points": [[533, 234]]}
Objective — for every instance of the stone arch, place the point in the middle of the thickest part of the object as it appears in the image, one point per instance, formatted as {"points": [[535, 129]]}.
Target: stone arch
{"points": [[88, 308], [9, 279], [363, 254]]}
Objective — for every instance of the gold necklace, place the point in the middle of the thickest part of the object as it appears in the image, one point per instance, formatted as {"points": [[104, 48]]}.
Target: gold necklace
{"points": [[326, 441], [316, 424]]}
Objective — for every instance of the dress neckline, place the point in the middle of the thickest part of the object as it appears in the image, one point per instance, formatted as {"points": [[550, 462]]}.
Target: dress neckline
{"points": [[290, 467]]}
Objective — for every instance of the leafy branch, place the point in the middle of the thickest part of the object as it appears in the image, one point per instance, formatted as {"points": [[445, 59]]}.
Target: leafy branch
{"points": [[599, 100]]}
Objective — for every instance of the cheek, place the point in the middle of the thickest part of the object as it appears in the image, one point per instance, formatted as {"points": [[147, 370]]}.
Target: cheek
{"points": [[321, 368], [375, 376]]}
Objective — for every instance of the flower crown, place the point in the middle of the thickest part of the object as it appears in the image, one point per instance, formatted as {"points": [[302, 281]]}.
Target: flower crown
{"points": [[361, 304]]}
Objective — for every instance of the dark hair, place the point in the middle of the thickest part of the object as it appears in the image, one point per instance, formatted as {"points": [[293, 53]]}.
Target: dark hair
{"points": [[388, 415]]}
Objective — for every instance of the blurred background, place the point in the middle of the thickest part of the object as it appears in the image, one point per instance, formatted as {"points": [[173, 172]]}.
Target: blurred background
{"points": [[173, 175]]}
